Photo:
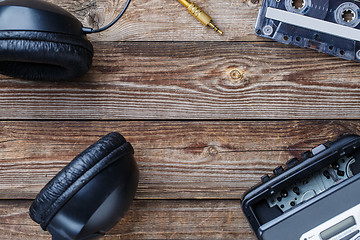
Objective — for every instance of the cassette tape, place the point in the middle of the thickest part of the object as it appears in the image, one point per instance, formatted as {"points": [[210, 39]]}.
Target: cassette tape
{"points": [[330, 27], [315, 198]]}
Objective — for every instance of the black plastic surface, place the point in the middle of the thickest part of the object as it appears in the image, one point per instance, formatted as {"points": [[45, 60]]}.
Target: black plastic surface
{"points": [[318, 210], [36, 15], [292, 162], [99, 205], [307, 38], [265, 178], [91, 194], [278, 170], [41, 41], [253, 200]]}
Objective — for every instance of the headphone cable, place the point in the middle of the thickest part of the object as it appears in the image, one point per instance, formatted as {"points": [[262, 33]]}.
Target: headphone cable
{"points": [[90, 30]]}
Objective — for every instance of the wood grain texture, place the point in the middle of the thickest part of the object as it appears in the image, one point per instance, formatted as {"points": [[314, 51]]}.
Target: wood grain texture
{"points": [[194, 81], [158, 66], [146, 220], [166, 20], [177, 160]]}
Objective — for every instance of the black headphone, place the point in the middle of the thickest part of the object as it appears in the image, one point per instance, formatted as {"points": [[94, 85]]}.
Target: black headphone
{"points": [[91, 194], [41, 41]]}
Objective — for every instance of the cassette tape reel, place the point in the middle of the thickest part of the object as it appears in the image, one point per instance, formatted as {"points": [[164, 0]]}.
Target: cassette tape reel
{"points": [[328, 26]]}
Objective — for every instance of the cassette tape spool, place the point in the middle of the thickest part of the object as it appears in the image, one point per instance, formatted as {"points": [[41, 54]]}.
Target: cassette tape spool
{"points": [[331, 27]]}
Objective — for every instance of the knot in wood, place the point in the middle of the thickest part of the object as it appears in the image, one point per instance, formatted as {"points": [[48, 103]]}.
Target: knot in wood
{"points": [[96, 18], [212, 151], [236, 75]]}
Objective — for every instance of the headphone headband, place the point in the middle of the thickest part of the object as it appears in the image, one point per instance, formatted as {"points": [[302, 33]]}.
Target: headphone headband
{"points": [[44, 17]]}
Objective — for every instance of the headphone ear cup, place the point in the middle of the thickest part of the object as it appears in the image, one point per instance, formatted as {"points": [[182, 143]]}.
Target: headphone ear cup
{"points": [[44, 56], [109, 149]]}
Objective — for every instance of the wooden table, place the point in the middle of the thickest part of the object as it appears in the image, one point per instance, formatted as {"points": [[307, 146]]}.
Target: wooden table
{"points": [[208, 115]]}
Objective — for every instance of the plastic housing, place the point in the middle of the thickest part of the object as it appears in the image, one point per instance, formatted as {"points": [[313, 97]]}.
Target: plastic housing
{"points": [[277, 225]]}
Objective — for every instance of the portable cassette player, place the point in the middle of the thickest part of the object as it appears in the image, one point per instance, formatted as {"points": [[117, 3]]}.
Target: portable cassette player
{"points": [[316, 198]]}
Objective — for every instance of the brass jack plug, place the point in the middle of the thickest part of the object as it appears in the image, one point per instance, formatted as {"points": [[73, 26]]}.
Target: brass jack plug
{"points": [[200, 15]]}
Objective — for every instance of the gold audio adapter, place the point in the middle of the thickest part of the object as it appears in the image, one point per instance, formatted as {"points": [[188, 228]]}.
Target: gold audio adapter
{"points": [[200, 15]]}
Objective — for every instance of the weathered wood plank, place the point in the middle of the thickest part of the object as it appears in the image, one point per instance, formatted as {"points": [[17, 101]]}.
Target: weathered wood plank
{"points": [[146, 220], [188, 160], [159, 20], [202, 80]]}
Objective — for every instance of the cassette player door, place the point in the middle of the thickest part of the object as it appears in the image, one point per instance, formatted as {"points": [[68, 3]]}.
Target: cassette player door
{"points": [[333, 215]]}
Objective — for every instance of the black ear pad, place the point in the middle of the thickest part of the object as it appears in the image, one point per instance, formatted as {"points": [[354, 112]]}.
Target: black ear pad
{"points": [[77, 174], [36, 55]]}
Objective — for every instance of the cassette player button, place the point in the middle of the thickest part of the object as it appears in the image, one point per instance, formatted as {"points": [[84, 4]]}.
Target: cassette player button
{"points": [[306, 155], [327, 144], [278, 170], [318, 149], [265, 178], [292, 162]]}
